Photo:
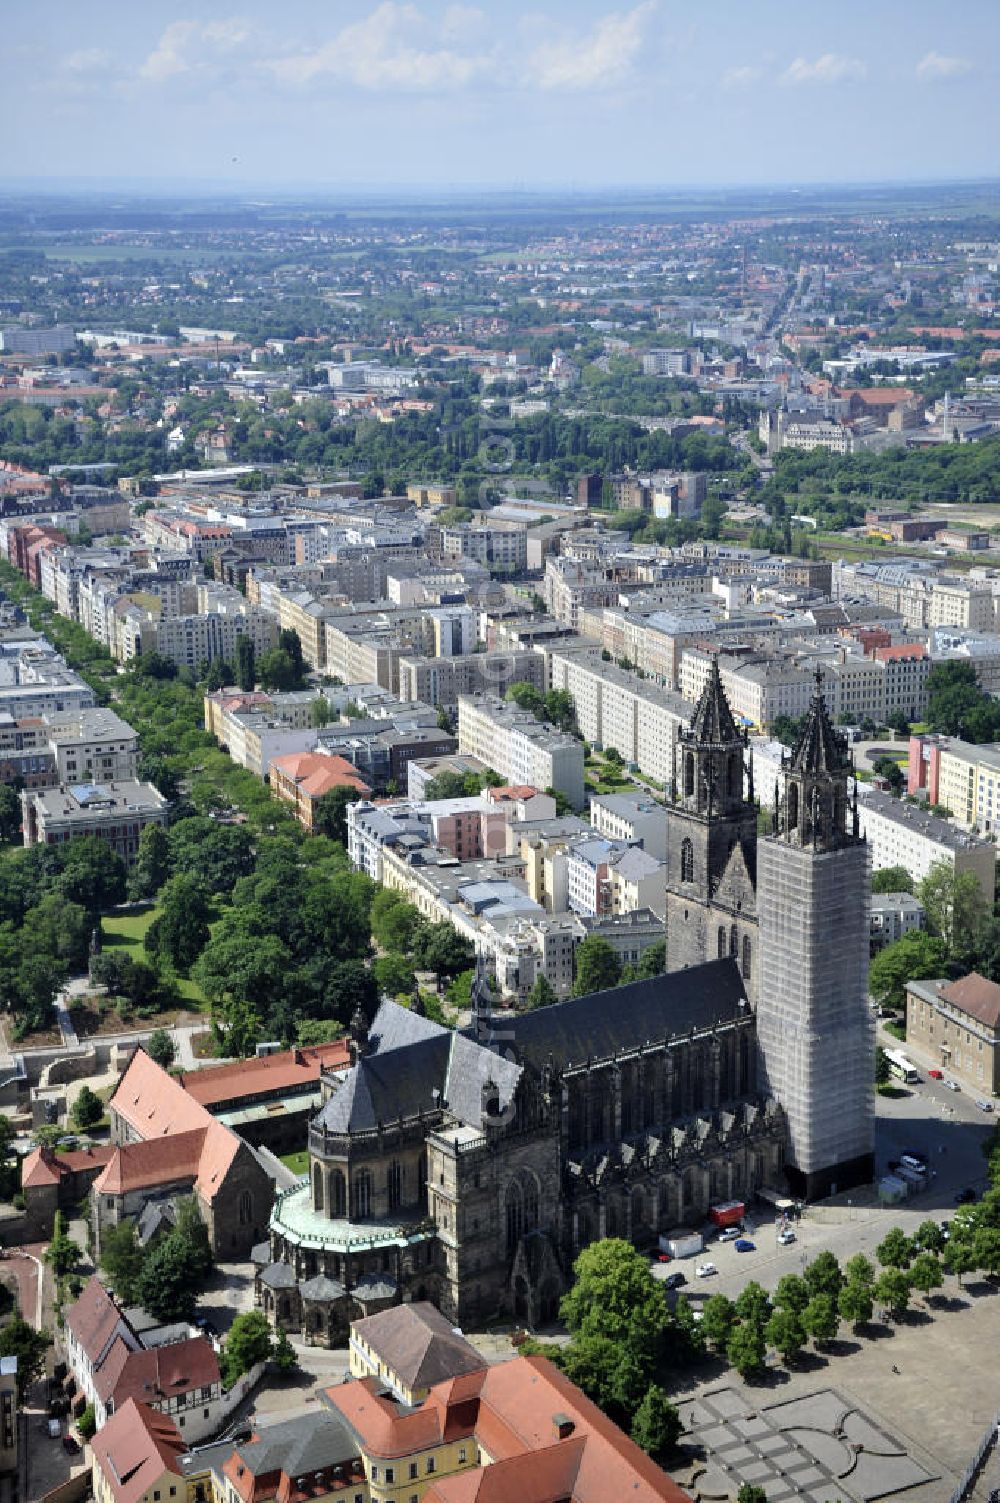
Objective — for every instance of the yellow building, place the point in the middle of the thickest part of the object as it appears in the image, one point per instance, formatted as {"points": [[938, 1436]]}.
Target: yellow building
{"points": [[410, 1348]]}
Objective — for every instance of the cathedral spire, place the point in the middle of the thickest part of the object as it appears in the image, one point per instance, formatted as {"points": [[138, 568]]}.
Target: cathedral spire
{"points": [[819, 748], [712, 723]]}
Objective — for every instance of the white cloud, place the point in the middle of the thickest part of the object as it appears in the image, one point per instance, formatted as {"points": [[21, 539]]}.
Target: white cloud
{"points": [[831, 68], [602, 58], [395, 47], [739, 78], [88, 60], [190, 46], [935, 66]]}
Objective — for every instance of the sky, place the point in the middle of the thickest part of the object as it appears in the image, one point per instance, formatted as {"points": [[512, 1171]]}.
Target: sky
{"points": [[575, 94]]}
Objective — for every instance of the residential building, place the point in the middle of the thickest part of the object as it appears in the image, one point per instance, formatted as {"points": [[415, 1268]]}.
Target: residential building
{"points": [[442, 680], [303, 778], [894, 914], [172, 1368], [632, 819], [617, 708], [519, 747], [638, 882], [92, 745], [955, 1026], [137, 1454], [116, 813], [960, 776], [902, 834]]}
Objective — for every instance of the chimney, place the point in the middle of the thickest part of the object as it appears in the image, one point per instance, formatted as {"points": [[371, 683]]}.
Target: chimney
{"points": [[563, 1426]]}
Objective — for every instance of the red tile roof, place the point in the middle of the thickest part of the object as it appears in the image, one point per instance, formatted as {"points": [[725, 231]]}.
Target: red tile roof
{"points": [[152, 1102], [290, 1070], [135, 1448], [316, 774], [93, 1319], [511, 1410], [977, 997], [44, 1167], [157, 1374]]}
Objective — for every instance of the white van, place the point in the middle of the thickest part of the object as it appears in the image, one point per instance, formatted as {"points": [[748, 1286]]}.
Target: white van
{"points": [[917, 1165]]}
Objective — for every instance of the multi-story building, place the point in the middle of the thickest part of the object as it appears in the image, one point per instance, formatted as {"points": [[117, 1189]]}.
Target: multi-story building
{"points": [[632, 819], [116, 813], [894, 914], [616, 708], [501, 546], [519, 747], [92, 745], [901, 834], [961, 776], [955, 1026], [442, 680], [963, 603]]}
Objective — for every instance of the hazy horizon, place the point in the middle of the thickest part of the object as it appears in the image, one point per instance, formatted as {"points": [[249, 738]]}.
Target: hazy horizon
{"points": [[562, 95]]}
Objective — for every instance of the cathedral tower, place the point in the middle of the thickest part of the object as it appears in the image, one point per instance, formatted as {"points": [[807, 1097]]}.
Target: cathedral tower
{"points": [[711, 842], [814, 1028]]}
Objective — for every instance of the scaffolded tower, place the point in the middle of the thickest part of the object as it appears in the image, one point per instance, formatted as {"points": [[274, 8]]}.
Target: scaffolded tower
{"points": [[814, 1026]]}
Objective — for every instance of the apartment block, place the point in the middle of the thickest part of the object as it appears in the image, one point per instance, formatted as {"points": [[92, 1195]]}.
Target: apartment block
{"points": [[519, 747], [955, 1026], [441, 680], [616, 708], [633, 819], [906, 835]]}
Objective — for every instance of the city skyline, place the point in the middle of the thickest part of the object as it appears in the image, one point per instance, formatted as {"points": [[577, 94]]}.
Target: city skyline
{"points": [[375, 94]]}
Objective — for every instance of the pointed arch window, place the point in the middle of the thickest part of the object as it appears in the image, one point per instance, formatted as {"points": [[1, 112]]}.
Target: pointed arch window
{"points": [[746, 957], [689, 775], [722, 942], [687, 860], [734, 943]]}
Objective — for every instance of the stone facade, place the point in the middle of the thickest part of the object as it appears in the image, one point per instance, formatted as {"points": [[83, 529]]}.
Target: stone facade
{"points": [[471, 1167]]}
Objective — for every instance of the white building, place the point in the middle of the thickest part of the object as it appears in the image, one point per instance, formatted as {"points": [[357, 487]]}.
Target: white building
{"points": [[901, 834]]}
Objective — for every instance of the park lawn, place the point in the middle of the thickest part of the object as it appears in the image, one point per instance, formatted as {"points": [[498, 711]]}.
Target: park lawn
{"points": [[297, 1162], [129, 928]]}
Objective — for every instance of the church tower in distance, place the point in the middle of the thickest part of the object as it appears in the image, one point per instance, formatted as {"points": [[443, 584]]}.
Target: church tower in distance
{"points": [[814, 1028], [711, 842]]}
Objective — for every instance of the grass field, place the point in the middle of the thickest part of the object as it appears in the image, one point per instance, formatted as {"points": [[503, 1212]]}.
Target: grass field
{"points": [[129, 928], [297, 1162]]}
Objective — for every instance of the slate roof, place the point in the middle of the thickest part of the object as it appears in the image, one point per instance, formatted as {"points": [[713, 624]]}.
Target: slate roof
{"points": [[309, 1443], [712, 723], [820, 748], [423, 1057], [418, 1344], [278, 1276], [322, 1289]]}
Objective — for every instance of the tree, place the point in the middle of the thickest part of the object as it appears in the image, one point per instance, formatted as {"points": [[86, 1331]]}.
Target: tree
{"points": [[928, 1237], [284, 1355], [784, 1331], [19, 1339], [330, 812], [597, 966], [161, 1049], [152, 864], [746, 1348], [176, 1268], [562, 801], [892, 879], [957, 706], [820, 1318], [88, 1109], [441, 949], [613, 1375], [614, 1295], [959, 1257], [541, 994], [527, 697], [895, 1250], [791, 1293], [180, 931], [882, 1072], [87, 1424], [751, 1492], [855, 1303], [955, 906], [657, 1425], [913, 958], [93, 875], [276, 672], [319, 712], [986, 1249], [652, 961], [717, 1321], [122, 1260], [62, 1253], [394, 922], [925, 1273], [290, 643], [246, 663], [460, 990], [823, 1276], [10, 814], [860, 1270], [249, 1342], [754, 1303], [892, 1291], [394, 974]]}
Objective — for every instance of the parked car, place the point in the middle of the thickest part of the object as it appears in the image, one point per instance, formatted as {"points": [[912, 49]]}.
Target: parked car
{"points": [[984, 1105], [71, 1444], [743, 1244], [953, 1085], [965, 1197], [729, 1234], [53, 1428], [705, 1270], [936, 1074], [674, 1280], [786, 1237], [663, 1257]]}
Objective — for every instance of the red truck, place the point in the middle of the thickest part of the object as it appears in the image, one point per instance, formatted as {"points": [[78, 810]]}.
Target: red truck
{"points": [[727, 1213]]}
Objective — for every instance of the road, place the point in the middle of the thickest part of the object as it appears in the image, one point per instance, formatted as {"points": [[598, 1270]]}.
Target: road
{"points": [[945, 1126]]}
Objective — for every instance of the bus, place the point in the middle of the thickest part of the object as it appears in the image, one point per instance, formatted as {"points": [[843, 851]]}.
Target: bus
{"points": [[902, 1068]]}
